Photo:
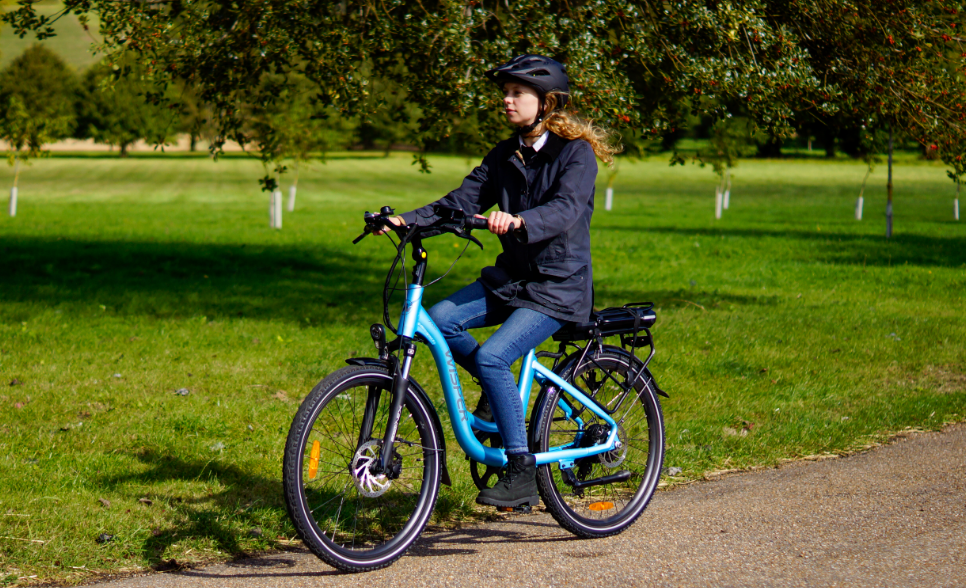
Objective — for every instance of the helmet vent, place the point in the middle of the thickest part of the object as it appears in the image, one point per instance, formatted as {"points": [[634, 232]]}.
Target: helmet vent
{"points": [[540, 73]]}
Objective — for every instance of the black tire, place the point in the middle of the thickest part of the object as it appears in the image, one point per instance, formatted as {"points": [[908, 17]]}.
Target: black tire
{"points": [[607, 509], [337, 520]]}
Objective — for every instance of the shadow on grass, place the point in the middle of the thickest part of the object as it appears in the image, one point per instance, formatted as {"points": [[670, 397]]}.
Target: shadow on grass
{"points": [[137, 278], [218, 516], [844, 248]]}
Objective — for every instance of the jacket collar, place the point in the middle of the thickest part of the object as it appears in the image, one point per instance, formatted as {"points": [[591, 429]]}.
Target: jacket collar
{"points": [[550, 151], [554, 146]]}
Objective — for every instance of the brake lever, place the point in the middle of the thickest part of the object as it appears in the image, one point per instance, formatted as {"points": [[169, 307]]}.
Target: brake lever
{"points": [[362, 236], [465, 232], [470, 237]]}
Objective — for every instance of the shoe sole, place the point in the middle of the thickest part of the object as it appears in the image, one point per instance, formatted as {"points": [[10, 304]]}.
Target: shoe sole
{"points": [[531, 501]]}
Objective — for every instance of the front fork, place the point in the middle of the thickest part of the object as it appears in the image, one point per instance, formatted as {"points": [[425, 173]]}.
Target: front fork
{"points": [[400, 387]]}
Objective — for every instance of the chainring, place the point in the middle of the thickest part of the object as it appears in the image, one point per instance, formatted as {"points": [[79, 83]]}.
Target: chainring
{"points": [[486, 476]]}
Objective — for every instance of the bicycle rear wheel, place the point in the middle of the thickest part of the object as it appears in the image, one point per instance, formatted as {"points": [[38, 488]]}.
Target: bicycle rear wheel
{"points": [[613, 488], [350, 516]]}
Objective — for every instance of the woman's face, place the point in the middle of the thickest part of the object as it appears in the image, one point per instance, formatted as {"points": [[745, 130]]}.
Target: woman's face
{"points": [[521, 103]]}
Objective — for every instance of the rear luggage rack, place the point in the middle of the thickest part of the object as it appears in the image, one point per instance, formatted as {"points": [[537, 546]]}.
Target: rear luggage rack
{"points": [[627, 321]]}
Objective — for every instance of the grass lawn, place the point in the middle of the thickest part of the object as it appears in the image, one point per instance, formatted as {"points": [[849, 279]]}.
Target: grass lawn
{"points": [[786, 329]]}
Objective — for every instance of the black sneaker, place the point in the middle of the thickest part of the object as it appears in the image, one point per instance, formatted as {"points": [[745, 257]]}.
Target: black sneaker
{"points": [[517, 486]]}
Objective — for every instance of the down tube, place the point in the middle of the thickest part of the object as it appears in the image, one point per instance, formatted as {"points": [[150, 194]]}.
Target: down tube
{"points": [[453, 392]]}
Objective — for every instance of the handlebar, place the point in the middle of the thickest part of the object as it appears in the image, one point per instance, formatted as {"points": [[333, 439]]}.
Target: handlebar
{"points": [[475, 222], [450, 221]]}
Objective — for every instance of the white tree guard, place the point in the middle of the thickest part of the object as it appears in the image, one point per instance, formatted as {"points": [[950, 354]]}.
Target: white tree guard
{"points": [[859, 205], [609, 199], [13, 201], [956, 209], [291, 198], [271, 210], [277, 209], [718, 202]]}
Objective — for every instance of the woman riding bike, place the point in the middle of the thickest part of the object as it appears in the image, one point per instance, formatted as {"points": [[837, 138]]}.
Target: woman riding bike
{"points": [[542, 183]]}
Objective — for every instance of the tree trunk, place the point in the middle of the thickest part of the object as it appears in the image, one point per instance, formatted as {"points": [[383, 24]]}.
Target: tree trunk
{"points": [[124, 147], [193, 146], [956, 202], [13, 190], [860, 203], [889, 192], [16, 170], [293, 189]]}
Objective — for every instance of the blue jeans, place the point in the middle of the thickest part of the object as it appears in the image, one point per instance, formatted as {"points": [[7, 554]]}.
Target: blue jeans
{"points": [[522, 329]]}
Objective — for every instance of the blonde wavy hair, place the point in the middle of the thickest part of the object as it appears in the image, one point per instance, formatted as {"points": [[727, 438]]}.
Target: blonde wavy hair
{"points": [[568, 124]]}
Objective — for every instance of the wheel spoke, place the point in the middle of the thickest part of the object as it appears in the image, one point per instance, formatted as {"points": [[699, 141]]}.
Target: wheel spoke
{"points": [[374, 517], [605, 508]]}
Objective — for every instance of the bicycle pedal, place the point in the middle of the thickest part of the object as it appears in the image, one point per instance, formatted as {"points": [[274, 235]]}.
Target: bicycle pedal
{"points": [[524, 508]]}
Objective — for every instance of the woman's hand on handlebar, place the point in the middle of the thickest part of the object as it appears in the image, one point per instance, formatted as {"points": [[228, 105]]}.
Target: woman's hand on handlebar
{"points": [[500, 223], [396, 220]]}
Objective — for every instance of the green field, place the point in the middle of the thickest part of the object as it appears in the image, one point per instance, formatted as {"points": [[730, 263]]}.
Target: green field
{"points": [[786, 329]]}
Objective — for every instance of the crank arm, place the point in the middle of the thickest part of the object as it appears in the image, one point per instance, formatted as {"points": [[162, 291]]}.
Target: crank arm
{"points": [[571, 479]]}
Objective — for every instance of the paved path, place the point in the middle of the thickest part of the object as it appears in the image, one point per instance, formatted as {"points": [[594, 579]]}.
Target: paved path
{"points": [[894, 516]]}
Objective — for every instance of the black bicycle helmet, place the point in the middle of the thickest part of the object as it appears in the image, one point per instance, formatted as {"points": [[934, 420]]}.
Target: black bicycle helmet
{"points": [[542, 73]]}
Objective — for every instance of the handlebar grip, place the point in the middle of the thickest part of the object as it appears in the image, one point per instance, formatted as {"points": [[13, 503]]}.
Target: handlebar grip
{"points": [[473, 222]]}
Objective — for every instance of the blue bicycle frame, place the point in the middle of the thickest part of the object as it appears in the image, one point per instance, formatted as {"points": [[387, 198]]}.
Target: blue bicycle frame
{"points": [[415, 320]]}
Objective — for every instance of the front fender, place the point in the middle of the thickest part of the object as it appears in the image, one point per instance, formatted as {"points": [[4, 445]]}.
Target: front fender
{"points": [[414, 386]]}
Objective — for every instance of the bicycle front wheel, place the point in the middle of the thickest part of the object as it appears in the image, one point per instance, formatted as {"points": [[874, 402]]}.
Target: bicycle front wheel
{"points": [[349, 514], [603, 494]]}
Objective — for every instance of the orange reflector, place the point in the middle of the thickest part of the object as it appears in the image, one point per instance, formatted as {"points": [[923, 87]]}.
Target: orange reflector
{"points": [[314, 460], [601, 506]]}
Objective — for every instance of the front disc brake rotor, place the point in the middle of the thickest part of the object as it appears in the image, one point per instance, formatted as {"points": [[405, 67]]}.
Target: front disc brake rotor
{"points": [[369, 485]]}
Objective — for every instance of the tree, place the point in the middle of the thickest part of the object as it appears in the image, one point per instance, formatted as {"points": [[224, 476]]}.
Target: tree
{"points": [[636, 64], [292, 126], [37, 94], [114, 108], [43, 83], [196, 115]]}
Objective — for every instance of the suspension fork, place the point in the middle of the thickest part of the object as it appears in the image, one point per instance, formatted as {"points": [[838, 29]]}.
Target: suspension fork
{"points": [[400, 387], [407, 324], [369, 416]]}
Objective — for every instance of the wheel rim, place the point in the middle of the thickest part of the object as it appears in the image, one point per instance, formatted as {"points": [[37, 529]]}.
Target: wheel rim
{"points": [[360, 515], [607, 506]]}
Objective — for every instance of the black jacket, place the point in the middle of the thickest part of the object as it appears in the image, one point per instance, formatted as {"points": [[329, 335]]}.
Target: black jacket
{"points": [[547, 266]]}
